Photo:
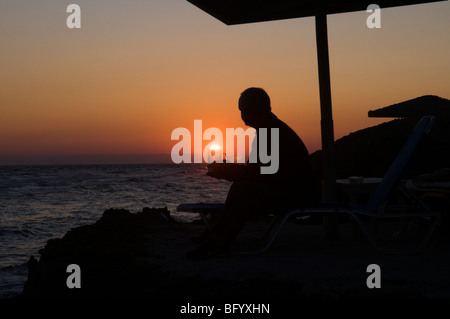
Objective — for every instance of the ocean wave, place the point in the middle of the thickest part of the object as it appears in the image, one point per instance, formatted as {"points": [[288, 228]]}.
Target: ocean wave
{"points": [[40, 203]]}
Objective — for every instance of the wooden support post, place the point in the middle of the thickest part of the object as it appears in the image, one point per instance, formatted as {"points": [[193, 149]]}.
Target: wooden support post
{"points": [[329, 173]]}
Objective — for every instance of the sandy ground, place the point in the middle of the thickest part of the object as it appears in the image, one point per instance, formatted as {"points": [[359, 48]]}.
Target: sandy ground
{"points": [[141, 257], [317, 267]]}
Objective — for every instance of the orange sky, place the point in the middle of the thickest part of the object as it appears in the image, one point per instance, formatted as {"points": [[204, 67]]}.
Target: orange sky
{"points": [[137, 70]]}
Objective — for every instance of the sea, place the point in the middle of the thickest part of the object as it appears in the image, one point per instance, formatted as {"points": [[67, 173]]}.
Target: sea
{"points": [[38, 203]]}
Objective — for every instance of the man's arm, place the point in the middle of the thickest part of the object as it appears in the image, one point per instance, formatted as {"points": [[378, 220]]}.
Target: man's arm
{"points": [[228, 171]]}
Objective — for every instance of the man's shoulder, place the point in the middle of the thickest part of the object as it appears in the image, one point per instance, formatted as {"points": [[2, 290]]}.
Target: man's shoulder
{"points": [[275, 122], [288, 138], [284, 128]]}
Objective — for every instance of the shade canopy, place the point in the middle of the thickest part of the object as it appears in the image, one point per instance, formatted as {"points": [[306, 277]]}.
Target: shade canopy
{"points": [[247, 11], [416, 108]]}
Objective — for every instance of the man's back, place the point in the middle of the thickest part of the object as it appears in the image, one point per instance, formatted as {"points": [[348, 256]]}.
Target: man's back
{"points": [[295, 176]]}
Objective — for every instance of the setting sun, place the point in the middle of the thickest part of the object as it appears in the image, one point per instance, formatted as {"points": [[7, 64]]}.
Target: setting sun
{"points": [[215, 148], [113, 92]]}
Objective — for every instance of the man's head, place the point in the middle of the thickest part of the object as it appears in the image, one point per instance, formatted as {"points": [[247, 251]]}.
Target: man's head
{"points": [[254, 105]]}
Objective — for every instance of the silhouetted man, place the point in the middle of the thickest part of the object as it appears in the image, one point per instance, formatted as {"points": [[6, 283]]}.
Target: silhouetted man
{"points": [[293, 185]]}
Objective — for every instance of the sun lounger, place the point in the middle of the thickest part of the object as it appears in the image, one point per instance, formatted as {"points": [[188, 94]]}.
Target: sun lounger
{"points": [[376, 206]]}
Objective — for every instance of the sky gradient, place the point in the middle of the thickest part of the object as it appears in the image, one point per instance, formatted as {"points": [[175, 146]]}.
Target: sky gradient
{"points": [[138, 69]]}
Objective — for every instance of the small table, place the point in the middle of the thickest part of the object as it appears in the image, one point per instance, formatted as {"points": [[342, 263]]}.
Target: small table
{"points": [[357, 190]]}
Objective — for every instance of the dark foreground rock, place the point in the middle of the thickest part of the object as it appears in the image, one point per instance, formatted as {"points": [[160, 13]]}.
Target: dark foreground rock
{"points": [[141, 256], [107, 252], [123, 256]]}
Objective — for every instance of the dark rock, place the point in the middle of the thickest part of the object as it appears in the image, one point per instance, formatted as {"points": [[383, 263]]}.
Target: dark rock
{"points": [[371, 151], [112, 255], [108, 253]]}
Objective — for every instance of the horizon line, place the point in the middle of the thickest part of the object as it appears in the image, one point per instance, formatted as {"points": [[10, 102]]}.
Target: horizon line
{"points": [[85, 159]]}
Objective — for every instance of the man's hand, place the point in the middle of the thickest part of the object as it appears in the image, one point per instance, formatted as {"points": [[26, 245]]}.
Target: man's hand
{"points": [[216, 170], [227, 171]]}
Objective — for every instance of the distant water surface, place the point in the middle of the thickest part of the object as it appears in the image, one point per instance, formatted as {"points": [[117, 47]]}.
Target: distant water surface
{"points": [[38, 203]]}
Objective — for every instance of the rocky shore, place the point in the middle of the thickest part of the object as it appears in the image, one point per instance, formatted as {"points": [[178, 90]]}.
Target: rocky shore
{"points": [[140, 255]]}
